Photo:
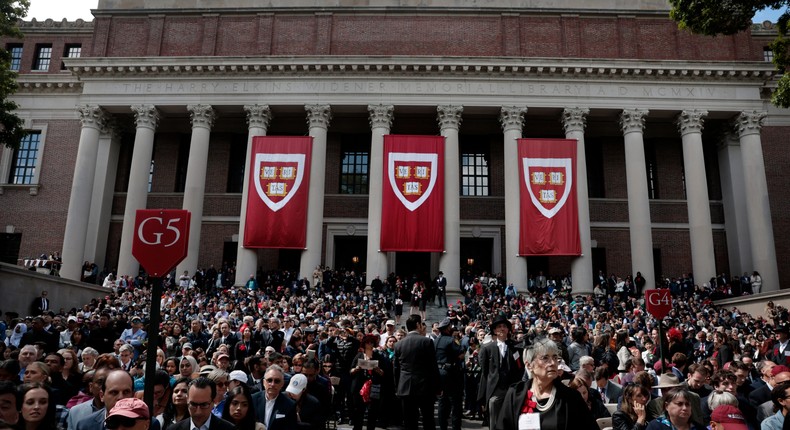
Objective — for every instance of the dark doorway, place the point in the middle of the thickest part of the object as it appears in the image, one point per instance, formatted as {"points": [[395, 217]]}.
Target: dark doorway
{"points": [[230, 251], [535, 265], [659, 271], [9, 247], [476, 255], [290, 259], [413, 265], [351, 253], [599, 261]]}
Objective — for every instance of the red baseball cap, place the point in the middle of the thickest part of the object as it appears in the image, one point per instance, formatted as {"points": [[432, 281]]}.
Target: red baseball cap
{"points": [[729, 417], [130, 408]]}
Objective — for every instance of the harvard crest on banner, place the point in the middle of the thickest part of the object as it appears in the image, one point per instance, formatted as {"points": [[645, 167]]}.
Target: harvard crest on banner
{"points": [[412, 216], [278, 192], [549, 212]]}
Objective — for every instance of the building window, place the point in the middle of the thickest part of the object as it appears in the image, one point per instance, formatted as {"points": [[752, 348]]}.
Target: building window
{"points": [[15, 51], [151, 176], [354, 172], [474, 174], [182, 162], [23, 169], [73, 50], [768, 54], [236, 166], [43, 58]]}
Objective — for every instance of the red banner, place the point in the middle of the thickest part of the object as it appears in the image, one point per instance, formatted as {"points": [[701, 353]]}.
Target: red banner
{"points": [[412, 216], [278, 191], [549, 212]]}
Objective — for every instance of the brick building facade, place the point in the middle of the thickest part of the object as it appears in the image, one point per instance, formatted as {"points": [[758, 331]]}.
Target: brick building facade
{"points": [[292, 54]]}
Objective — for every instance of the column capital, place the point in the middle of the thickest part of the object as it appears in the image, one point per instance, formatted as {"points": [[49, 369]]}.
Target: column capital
{"points": [[146, 116], [202, 116], [749, 122], [92, 116], [727, 139], [633, 120], [258, 116], [574, 119], [512, 117], [449, 116], [691, 121], [318, 115], [380, 116]]}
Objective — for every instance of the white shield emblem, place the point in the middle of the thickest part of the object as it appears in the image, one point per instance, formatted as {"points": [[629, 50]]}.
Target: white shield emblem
{"points": [[278, 177], [412, 177], [549, 182]]}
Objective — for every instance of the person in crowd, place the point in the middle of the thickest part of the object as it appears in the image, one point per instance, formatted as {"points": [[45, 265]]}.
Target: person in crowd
{"points": [[416, 374], [632, 414], [501, 364], [677, 412], [200, 397], [188, 366], [309, 413], [238, 409], [362, 371], [88, 357], [272, 407], [556, 406], [780, 396], [220, 379], [37, 411], [178, 408]]}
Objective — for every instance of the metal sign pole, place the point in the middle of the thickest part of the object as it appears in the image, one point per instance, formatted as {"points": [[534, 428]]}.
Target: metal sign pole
{"points": [[153, 342]]}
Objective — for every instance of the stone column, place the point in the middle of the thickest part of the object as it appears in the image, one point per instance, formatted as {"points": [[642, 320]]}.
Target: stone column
{"points": [[146, 119], [703, 260], [202, 117], [449, 118], [258, 119], [512, 119], [93, 121], [574, 120], [318, 117], [380, 117], [761, 232], [632, 122], [733, 197], [103, 192]]}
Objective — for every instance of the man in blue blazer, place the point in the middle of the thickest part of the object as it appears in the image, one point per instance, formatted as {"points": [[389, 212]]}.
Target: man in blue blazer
{"points": [[273, 408]]}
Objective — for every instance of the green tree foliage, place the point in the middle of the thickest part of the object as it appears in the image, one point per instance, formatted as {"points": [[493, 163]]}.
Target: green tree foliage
{"points": [[11, 126], [714, 17]]}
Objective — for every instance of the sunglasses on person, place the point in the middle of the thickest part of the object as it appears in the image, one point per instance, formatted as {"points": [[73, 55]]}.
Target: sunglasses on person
{"points": [[116, 422]]}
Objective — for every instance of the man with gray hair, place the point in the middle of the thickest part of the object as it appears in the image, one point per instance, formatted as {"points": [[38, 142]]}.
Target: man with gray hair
{"points": [[273, 408]]}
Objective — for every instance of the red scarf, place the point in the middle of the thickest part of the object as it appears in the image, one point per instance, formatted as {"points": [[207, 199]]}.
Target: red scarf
{"points": [[529, 404]]}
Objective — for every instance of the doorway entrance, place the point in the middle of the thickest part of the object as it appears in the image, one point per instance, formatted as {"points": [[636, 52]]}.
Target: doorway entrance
{"points": [[350, 253]]}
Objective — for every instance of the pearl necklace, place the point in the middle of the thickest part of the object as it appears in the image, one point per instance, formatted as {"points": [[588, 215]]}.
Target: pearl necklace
{"points": [[549, 404]]}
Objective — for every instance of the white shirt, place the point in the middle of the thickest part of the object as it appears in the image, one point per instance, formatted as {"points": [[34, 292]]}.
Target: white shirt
{"points": [[502, 348], [192, 425], [269, 409]]}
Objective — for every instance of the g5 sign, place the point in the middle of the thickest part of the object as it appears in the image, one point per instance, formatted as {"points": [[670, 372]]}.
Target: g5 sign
{"points": [[161, 239], [658, 302]]}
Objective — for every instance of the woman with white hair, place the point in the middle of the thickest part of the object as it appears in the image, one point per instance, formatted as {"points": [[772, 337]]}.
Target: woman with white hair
{"points": [[544, 401], [89, 356]]}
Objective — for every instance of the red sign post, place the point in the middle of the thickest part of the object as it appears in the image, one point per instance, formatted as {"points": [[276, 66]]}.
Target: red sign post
{"points": [[161, 238], [658, 303]]}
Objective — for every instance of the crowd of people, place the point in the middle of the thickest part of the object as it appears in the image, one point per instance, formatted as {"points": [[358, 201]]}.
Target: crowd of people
{"points": [[284, 352]]}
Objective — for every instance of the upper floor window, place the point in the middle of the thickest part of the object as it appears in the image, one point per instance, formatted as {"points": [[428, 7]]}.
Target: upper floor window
{"points": [[43, 57], [651, 166], [768, 54], [474, 174], [23, 169], [354, 172], [73, 50], [15, 51]]}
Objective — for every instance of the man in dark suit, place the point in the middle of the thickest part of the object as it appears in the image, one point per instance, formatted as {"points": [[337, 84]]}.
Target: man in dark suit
{"points": [[273, 408], [416, 375], [610, 391], [441, 290], [501, 364], [40, 304], [702, 348], [761, 390], [118, 385], [201, 392]]}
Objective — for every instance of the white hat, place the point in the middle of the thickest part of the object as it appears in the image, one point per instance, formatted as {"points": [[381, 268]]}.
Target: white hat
{"points": [[71, 319], [390, 322], [297, 385], [238, 375]]}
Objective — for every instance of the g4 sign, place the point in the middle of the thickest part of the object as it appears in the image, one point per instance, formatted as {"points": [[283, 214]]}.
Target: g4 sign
{"points": [[658, 302], [161, 237]]}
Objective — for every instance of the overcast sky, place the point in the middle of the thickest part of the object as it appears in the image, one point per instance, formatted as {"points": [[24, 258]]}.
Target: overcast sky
{"points": [[73, 9]]}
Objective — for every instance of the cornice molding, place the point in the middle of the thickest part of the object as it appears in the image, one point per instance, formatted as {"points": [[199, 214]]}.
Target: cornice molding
{"points": [[48, 83], [113, 68]]}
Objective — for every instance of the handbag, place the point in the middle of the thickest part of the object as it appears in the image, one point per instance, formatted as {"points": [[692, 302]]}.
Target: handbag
{"points": [[365, 391]]}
